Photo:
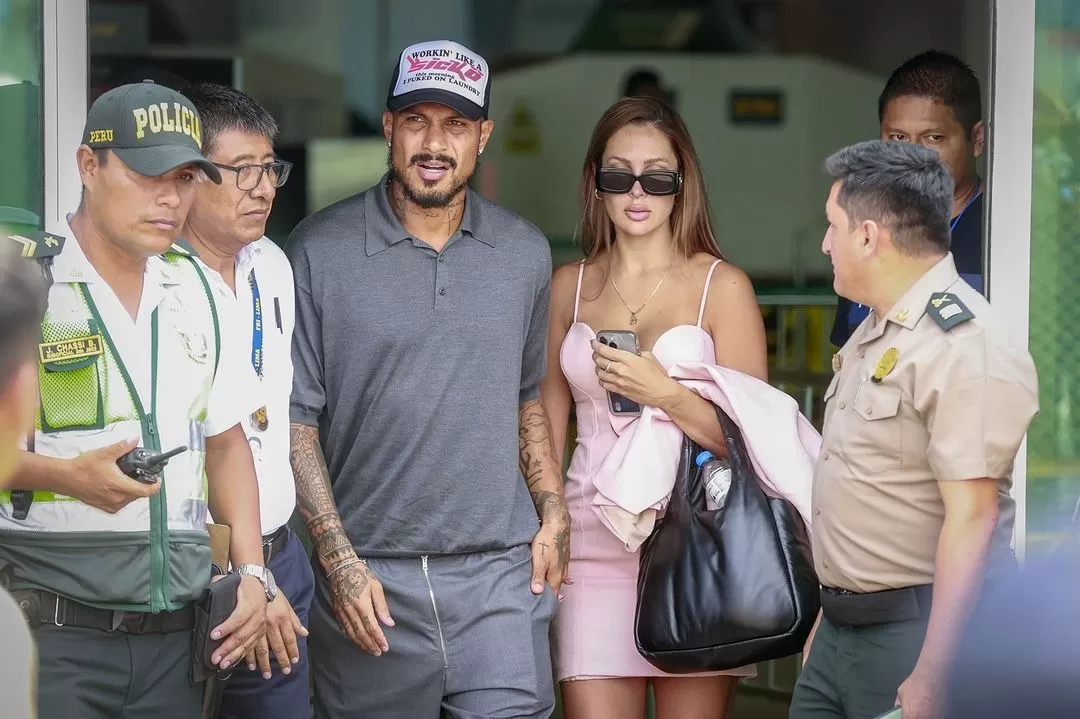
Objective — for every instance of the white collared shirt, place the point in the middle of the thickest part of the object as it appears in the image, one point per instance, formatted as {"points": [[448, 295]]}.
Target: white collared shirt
{"points": [[230, 394], [270, 448]]}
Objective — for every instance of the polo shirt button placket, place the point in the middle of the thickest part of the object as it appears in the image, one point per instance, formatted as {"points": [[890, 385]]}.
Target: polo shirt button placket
{"points": [[440, 274]]}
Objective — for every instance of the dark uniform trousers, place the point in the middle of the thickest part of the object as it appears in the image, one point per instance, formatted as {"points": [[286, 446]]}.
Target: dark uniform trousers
{"points": [[284, 696], [88, 673], [853, 672]]}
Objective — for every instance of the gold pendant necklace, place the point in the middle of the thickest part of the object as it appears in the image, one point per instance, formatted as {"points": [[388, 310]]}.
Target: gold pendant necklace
{"points": [[634, 313]]}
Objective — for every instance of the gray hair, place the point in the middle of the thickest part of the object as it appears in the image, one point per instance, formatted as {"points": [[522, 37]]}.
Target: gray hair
{"points": [[23, 295], [902, 186]]}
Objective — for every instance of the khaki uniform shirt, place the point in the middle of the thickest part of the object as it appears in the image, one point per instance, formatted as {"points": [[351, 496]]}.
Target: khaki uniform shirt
{"points": [[954, 405]]}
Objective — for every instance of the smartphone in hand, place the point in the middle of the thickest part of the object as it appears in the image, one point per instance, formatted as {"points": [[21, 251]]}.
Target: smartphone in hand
{"points": [[621, 340]]}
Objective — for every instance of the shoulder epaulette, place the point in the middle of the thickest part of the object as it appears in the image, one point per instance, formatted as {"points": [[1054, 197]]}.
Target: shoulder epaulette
{"points": [[947, 310], [38, 245]]}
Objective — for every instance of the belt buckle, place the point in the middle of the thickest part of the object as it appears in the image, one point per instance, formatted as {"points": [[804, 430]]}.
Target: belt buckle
{"points": [[268, 550], [127, 622]]}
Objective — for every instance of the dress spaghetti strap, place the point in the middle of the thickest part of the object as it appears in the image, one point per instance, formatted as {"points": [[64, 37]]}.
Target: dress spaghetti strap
{"points": [[704, 293], [577, 292]]}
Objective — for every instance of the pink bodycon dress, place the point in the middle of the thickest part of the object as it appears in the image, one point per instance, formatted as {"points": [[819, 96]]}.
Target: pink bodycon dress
{"points": [[594, 625]]}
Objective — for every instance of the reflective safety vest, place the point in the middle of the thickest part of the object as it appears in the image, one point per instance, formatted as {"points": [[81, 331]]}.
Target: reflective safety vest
{"points": [[153, 555]]}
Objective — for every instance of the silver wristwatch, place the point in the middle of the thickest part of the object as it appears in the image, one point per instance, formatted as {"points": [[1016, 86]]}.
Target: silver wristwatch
{"points": [[264, 575]]}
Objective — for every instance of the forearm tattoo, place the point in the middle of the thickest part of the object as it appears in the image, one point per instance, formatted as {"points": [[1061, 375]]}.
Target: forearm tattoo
{"points": [[314, 498], [535, 451], [536, 459]]}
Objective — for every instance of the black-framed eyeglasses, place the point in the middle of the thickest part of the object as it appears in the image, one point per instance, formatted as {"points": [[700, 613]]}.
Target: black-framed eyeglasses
{"points": [[248, 177], [653, 182]]}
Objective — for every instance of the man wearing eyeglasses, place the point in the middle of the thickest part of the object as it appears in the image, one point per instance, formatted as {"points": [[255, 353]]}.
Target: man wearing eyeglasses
{"points": [[226, 228]]}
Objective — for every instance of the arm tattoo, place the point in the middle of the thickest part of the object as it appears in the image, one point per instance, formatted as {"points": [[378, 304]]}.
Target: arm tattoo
{"points": [[314, 498], [534, 443], [537, 462]]}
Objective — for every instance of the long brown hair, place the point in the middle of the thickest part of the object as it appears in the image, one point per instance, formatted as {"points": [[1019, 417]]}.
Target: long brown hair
{"points": [[691, 227]]}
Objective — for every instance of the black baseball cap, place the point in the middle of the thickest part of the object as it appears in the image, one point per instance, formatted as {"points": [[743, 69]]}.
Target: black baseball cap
{"points": [[151, 128], [441, 71]]}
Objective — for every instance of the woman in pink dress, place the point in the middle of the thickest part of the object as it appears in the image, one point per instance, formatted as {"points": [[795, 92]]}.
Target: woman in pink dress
{"points": [[651, 265]]}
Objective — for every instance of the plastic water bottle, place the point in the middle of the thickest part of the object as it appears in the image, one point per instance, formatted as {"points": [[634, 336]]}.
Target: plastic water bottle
{"points": [[716, 474]]}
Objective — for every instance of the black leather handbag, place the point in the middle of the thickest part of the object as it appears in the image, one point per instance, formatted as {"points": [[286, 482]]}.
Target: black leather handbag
{"points": [[721, 589]]}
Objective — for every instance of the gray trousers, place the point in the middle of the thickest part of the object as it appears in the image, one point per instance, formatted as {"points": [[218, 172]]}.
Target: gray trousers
{"points": [[470, 642], [91, 674]]}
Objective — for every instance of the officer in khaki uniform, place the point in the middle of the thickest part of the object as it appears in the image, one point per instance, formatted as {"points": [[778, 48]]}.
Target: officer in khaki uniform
{"points": [[923, 419]]}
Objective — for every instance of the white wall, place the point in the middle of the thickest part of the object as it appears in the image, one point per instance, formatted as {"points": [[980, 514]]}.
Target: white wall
{"points": [[766, 184], [376, 31]]}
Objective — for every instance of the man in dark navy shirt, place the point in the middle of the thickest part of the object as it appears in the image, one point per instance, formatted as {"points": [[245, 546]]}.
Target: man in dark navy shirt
{"points": [[934, 99]]}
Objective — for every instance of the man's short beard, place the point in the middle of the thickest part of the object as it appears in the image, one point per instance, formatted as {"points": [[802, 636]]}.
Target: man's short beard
{"points": [[429, 199]]}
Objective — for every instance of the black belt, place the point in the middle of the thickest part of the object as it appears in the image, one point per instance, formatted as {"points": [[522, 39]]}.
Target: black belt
{"points": [[41, 608], [274, 544], [852, 609]]}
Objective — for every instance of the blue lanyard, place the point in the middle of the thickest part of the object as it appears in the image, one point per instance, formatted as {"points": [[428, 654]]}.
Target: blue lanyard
{"points": [[257, 325], [956, 220]]}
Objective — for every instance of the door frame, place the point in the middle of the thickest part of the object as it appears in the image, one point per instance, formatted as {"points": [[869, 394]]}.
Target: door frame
{"points": [[1009, 221], [64, 82]]}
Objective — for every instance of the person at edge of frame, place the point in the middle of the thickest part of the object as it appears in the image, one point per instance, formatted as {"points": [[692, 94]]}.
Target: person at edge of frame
{"points": [[22, 307], [422, 455], [912, 507], [226, 227], [934, 100], [134, 352]]}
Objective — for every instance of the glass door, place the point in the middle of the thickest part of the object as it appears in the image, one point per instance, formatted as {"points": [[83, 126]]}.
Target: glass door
{"points": [[43, 85], [22, 186]]}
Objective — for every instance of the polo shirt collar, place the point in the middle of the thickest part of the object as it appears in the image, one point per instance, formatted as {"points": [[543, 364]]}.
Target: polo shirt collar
{"points": [[384, 229]]}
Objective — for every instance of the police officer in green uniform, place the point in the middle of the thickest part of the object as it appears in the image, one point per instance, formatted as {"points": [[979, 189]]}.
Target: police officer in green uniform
{"points": [[133, 352]]}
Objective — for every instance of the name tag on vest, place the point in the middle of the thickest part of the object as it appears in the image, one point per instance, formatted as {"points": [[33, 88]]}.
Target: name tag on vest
{"points": [[77, 348]]}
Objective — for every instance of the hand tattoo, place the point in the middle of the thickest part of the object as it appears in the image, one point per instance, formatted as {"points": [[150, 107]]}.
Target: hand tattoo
{"points": [[552, 508], [348, 583]]}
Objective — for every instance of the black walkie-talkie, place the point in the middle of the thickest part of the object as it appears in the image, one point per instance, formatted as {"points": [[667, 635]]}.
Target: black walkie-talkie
{"points": [[144, 465]]}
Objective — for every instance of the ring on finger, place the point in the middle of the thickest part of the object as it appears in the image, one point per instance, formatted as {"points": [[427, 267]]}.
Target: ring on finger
{"points": [[608, 368]]}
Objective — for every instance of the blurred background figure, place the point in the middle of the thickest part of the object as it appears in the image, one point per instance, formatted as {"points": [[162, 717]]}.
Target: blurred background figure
{"points": [[1020, 653], [646, 82], [22, 303]]}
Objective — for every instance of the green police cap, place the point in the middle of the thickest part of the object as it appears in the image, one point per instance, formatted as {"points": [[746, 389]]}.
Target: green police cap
{"points": [[151, 128]]}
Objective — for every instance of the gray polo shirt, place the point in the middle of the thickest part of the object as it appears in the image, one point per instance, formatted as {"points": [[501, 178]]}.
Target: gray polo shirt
{"points": [[413, 365]]}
